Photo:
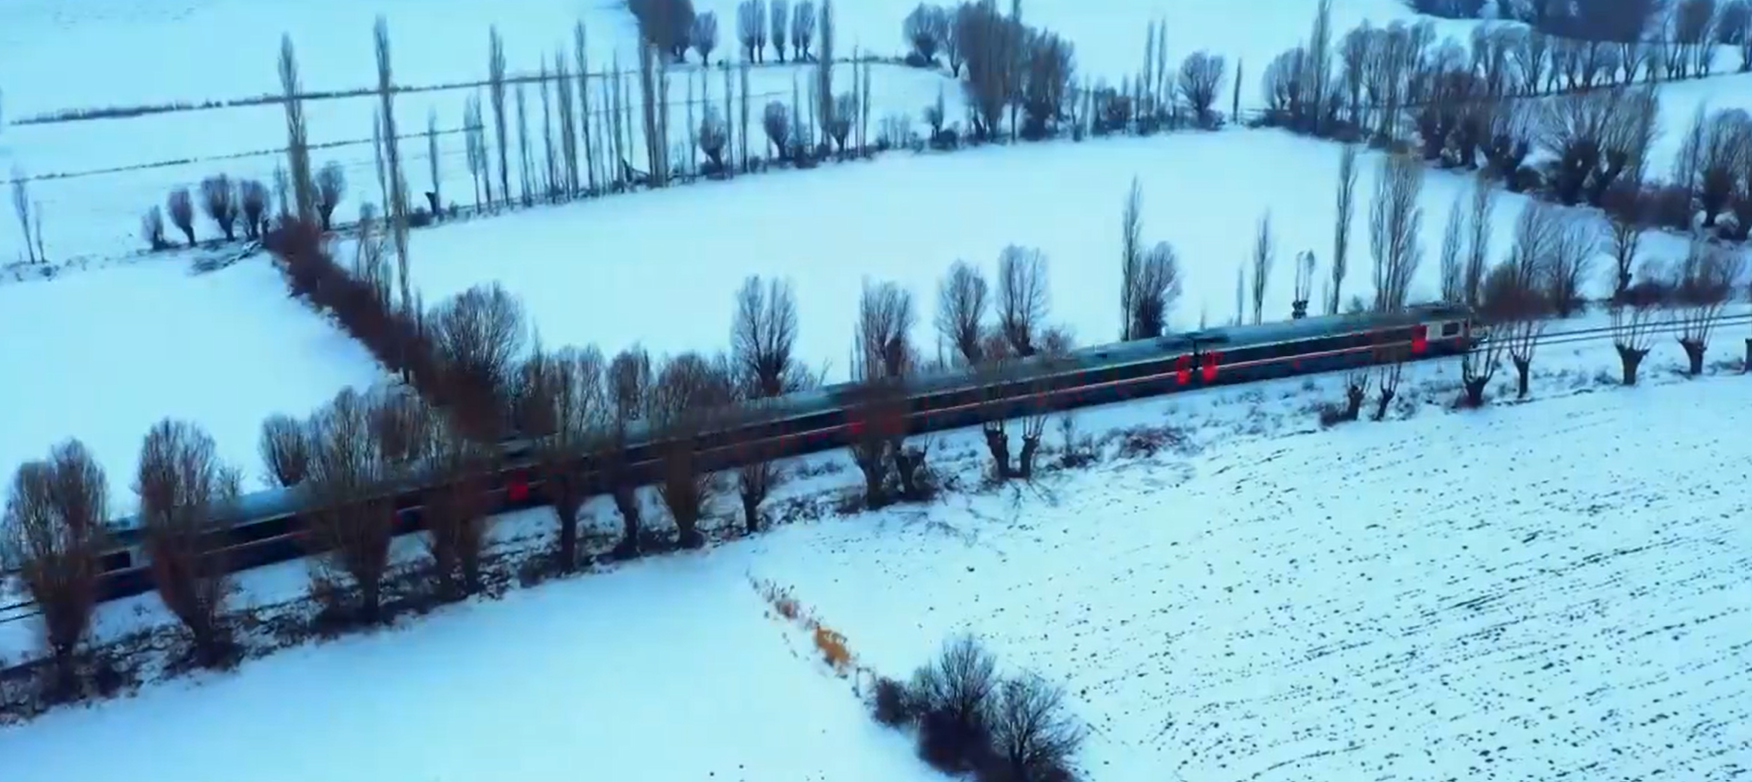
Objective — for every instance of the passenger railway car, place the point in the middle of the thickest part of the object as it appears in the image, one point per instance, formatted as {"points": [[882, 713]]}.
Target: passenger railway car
{"points": [[264, 525]]}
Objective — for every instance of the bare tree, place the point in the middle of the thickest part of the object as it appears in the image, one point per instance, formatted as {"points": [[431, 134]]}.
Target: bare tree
{"points": [[479, 336], [1346, 206], [989, 41], [703, 36], [252, 207], [688, 388], [285, 447], [1021, 297], [1575, 244], [496, 93], [1702, 286], [803, 22], [628, 385], [456, 512], [351, 527], [1395, 226], [1515, 301], [1031, 729], [182, 486], [962, 299], [331, 187], [180, 205], [1201, 75], [927, 31], [776, 121], [152, 229], [1304, 285], [1627, 214], [1131, 257], [297, 136], [955, 696], [778, 19], [53, 535], [1595, 137], [763, 336], [751, 28], [882, 353], [219, 201], [1453, 243], [1264, 256], [1634, 319], [1478, 243], [1157, 288], [1712, 157], [1483, 356]]}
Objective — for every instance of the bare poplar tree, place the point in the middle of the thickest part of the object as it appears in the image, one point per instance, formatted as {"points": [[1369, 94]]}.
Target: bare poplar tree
{"points": [[433, 163], [824, 94], [397, 208], [525, 161], [550, 154], [21, 207], [1341, 229], [1264, 256], [580, 56], [778, 18], [1395, 228], [1022, 298], [1478, 243], [297, 137], [496, 92], [1453, 245], [1131, 257]]}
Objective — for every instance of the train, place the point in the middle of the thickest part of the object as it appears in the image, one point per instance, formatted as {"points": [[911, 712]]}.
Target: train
{"points": [[262, 528]]}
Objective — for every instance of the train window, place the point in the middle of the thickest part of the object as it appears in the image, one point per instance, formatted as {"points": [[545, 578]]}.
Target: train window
{"points": [[1450, 329]]}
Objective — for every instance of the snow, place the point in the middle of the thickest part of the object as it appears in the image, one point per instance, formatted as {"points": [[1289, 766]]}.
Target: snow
{"points": [[104, 356], [1517, 592], [906, 218]]}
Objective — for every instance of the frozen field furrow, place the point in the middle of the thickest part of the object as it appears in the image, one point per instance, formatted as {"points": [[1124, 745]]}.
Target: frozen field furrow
{"points": [[1515, 595]]}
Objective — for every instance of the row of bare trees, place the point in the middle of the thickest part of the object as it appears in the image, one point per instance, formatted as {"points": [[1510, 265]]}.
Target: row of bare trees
{"points": [[1681, 34]]}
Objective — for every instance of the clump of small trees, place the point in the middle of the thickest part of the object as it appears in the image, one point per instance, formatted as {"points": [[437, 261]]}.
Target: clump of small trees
{"points": [[969, 719]]}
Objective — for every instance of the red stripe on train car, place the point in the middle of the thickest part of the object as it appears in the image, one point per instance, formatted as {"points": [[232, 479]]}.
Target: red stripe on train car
{"points": [[1420, 336]]}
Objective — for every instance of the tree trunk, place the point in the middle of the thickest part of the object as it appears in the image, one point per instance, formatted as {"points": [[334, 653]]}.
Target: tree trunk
{"points": [[1631, 358], [999, 445], [1381, 403], [1353, 402], [627, 503], [1694, 355], [1522, 366], [568, 549], [1475, 391], [1748, 365], [1025, 463], [750, 512]]}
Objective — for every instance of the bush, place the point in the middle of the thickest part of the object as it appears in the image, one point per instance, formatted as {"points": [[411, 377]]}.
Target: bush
{"points": [[953, 697], [892, 703]]}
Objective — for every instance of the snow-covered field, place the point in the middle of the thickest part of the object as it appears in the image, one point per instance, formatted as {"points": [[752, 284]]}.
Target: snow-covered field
{"points": [[172, 48], [104, 356], [906, 218], [1521, 593]]}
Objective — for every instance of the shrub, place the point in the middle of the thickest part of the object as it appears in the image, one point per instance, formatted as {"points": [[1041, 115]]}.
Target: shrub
{"points": [[954, 695], [892, 703], [1032, 736]]}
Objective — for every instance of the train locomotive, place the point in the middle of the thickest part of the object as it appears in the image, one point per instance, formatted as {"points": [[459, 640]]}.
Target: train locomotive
{"points": [[263, 527]]}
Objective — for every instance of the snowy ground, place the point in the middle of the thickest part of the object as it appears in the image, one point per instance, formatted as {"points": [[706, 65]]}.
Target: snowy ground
{"points": [[103, 357], [906, 218], [170, 46], [1517, 592]]}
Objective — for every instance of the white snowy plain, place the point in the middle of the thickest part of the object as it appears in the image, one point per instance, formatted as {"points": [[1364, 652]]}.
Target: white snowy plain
{"points": [[1516, 593]]}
